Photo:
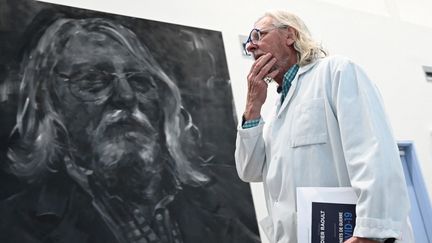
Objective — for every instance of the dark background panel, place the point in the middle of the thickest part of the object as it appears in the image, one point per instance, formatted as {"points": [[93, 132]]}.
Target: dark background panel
{"points": [[194, 58]]}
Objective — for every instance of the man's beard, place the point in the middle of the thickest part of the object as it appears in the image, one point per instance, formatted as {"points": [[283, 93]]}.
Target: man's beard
{"points": [[125, 153]]}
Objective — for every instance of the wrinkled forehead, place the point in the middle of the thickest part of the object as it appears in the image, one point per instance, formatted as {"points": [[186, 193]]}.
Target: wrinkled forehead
{"points": [[89, 43], [264, 22], [93, 48]]}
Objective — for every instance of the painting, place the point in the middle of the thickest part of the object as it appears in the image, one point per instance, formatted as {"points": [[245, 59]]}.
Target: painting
{"points": [[116, 129]]}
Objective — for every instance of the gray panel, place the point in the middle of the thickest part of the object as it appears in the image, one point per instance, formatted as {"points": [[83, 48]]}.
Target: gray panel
{"points": [[116, 129]]}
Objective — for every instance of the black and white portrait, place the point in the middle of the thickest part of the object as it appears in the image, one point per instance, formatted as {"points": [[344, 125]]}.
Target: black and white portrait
{"points": [[115, 129]]}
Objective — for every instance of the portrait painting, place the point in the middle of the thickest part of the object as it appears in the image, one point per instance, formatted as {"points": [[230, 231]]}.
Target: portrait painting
{"points": [[116, 129]]}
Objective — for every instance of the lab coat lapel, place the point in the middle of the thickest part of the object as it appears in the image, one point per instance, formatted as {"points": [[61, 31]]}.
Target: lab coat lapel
{"points": [[294, 85]]}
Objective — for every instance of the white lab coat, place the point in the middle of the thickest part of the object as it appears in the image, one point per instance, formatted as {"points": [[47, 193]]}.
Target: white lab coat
{"points": [[331, 131]]}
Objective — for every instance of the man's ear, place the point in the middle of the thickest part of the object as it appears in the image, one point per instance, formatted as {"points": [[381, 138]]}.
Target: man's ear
{"points": [[290, 38]]}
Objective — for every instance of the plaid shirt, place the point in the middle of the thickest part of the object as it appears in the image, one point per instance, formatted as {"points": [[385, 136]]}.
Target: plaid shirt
{"points": [[286, 84], [287, 80]]}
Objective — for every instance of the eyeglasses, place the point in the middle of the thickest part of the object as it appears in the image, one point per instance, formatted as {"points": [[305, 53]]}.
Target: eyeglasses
{"points": [[256, 35], [98, 85]]}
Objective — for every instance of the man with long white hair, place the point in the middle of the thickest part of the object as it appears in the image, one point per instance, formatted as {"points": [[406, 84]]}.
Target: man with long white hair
{"points": [[328, 129]]}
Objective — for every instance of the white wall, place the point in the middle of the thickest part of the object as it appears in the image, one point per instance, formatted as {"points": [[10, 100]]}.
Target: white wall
{"points": [[391, 39]]}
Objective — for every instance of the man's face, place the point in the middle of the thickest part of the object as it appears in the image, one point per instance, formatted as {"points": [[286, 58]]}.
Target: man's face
{"points": [[278, 42], [110, 108]]}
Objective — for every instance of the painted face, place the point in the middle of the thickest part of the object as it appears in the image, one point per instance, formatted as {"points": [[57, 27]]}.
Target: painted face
{"points": [[110, 107]]}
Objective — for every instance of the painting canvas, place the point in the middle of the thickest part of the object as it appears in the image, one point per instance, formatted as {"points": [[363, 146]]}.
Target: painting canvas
{"points": [[115, 129]]}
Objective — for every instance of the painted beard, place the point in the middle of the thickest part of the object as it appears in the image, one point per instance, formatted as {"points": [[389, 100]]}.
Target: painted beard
{"points": [[125, 154]]}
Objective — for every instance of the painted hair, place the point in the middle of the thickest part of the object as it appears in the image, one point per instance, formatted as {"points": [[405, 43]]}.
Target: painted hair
{"points": [[42, 138], [308, 50]]}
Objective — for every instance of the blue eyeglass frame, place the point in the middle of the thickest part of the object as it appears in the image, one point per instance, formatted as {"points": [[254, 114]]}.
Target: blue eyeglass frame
{"points": [[260, 32]]}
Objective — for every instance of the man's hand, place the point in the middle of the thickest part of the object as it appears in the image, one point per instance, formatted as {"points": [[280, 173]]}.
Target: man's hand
{"points": [[257, 88], [355, 239]]}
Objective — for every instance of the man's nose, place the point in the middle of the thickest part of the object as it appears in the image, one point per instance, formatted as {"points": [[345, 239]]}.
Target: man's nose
{"points": [[251, 47], [123, 95]]}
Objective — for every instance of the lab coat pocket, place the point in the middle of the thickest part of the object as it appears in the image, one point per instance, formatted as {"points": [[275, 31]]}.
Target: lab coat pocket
{"points": [[309, 124]]}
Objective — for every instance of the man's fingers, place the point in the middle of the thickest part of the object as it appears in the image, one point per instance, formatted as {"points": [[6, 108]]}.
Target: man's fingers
{"points": [[266, 69], [273, 73], [263, 69], [259, 63]]}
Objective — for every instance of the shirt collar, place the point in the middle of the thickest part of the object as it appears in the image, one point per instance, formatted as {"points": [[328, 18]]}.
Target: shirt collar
{"points": [[288, 78]]}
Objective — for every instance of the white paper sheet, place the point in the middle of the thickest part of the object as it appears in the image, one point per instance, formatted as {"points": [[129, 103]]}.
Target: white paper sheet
{"points": [[307, 195]]}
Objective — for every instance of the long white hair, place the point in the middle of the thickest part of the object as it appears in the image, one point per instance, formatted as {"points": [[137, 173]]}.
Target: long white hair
{"points": [[43, 139], [308, 50]]}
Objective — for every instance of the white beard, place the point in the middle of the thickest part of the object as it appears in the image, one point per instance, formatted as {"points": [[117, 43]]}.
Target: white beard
{"points": [[125, 141]]}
